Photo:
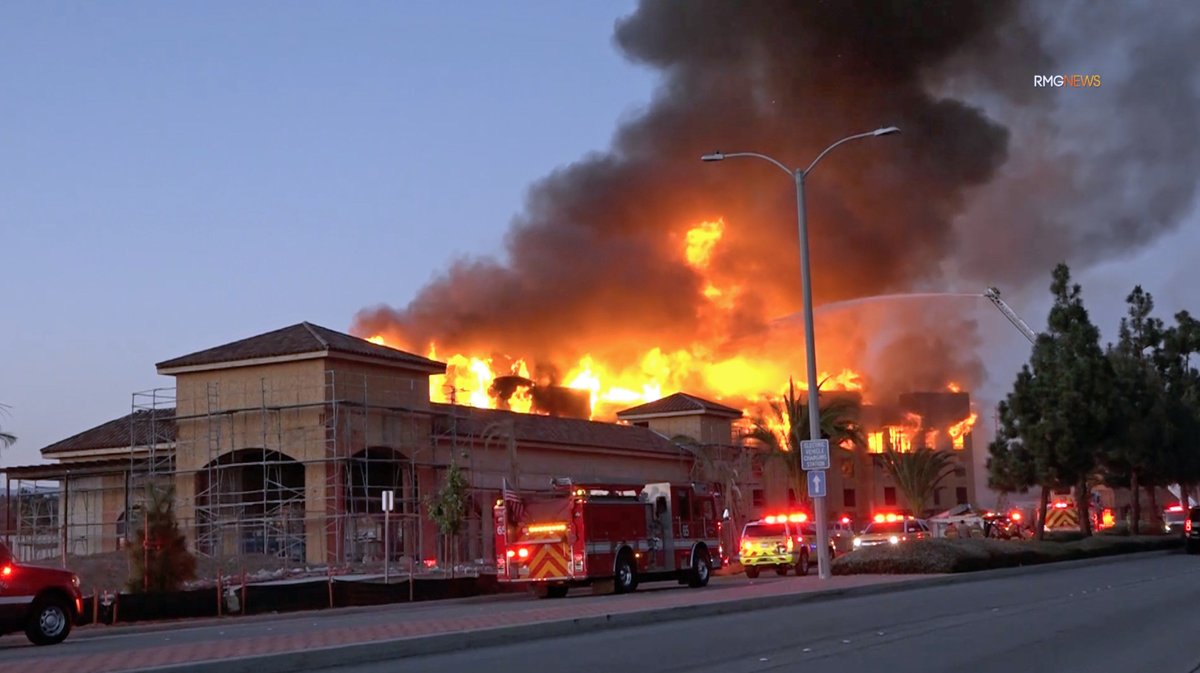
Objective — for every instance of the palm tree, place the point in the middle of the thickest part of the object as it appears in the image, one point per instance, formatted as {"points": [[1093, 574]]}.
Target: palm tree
{"points": [[7, 439], [838, 424], [727, 466], [918, 473]]}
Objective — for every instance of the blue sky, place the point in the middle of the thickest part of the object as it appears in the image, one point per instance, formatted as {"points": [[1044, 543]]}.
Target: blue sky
{"points": [[261, 164]]}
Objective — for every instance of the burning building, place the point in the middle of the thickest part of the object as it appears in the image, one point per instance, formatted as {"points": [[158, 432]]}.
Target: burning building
{"points": [[281, 445]]}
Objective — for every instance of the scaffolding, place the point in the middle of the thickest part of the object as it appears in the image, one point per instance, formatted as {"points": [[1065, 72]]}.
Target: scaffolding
{"points": [[294, 468], [279, 468]]}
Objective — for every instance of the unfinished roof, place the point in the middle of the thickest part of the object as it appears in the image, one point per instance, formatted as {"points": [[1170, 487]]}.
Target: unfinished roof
{"points": [[532, 428], [679, 404], [300, 339], [136, 429]]}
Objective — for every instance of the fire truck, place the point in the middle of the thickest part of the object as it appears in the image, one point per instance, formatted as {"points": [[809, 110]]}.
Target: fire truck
{"points": [[42, 602], [596, 534], [1062, 515]]}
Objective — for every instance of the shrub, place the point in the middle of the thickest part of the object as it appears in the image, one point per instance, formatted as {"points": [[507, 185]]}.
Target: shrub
{"points": [[966, 555], [159, 557]]}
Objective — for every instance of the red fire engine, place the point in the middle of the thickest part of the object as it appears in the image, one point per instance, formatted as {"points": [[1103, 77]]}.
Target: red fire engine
{"points": [[592, 534]]}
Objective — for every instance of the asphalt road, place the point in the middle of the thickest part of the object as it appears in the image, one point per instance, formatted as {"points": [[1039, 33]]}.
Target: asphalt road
{"points": [[1141, 615]]}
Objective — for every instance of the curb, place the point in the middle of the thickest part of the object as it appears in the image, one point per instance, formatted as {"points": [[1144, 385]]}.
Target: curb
{"points": [[385, 650], [158, 626]]}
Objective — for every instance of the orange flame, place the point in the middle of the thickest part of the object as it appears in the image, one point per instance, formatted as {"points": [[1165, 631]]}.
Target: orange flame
{"points": [[959, 430], [900, 438], [700, 243], [743, 377]]}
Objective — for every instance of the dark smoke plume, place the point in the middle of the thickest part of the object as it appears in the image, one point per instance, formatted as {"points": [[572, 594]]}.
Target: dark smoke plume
{"points": [[1095, 173], [594, 263]]}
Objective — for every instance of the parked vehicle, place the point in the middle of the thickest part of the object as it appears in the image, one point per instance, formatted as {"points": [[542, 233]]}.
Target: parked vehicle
{"points": [[42, 602], [1005, 526], [584, 534], [781, 542], [1173, 519], [892, 530], [958, 521], [841, 535]]}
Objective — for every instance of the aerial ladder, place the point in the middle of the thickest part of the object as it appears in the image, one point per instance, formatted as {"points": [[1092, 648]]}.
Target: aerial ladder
{"points": [[993, 294]]}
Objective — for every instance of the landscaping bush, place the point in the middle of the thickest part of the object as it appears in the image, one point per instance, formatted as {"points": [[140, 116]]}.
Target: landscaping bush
{"points": [[967, 555]]}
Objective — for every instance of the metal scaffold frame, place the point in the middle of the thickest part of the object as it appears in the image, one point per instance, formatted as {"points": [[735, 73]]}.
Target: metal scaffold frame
{"points": [[274, 472], [313, 473]]}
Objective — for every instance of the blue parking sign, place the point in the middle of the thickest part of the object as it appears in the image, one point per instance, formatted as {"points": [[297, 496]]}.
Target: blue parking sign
{"points": [[816, 484]]}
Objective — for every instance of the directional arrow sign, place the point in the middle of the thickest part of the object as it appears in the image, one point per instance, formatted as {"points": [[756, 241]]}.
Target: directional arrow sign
{"points": [[814, 454], [816, 484]]}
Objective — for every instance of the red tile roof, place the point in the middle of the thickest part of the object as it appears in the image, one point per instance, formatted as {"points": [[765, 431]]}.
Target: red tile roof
{"points": [[299, 339], [679, 404], [472, 421], [136, 429]]}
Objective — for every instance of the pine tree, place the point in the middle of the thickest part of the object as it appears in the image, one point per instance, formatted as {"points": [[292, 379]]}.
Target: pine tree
{"points": [[1061, 401], [160, 560], [1135, 457], [1181, 383], [1010, 464]]}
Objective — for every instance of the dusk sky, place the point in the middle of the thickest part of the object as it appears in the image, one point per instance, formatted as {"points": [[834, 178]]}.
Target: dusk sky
{"points": [[174, 176]]}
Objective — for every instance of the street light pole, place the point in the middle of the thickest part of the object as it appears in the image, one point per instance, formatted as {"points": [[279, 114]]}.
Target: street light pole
{"points": [[810, 341]]}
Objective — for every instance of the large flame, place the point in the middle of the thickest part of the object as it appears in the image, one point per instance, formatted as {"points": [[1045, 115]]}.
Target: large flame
{"points": [[743, 377], [470, 380], [700, 243], [959, 430]]}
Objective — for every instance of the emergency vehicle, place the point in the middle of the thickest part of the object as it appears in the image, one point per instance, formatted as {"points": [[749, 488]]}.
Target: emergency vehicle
{"points": [[1173, 519], [781, 542], [595, 533], [42, 602], [1062, 515], [892, 529]]}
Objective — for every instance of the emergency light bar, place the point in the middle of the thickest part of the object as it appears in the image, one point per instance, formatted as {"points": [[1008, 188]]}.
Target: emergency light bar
{"points": [[799, 517]]}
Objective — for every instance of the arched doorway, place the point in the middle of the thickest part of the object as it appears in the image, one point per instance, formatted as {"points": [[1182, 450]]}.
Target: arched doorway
{"points": [[251, 501]]}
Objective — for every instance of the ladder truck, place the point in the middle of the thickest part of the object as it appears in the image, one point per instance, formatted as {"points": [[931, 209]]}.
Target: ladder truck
{"points": [[993, 295]]}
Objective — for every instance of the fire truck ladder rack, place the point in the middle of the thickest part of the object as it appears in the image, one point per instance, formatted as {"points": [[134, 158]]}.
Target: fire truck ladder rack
{"points": [[993, 294]]}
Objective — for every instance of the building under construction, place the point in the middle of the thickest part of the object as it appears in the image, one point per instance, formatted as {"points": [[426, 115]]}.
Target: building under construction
{"points": [[280, 447], [283, 444]]}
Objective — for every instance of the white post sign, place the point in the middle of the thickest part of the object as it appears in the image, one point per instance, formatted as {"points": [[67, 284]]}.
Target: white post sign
{"points": [[389, 503]]}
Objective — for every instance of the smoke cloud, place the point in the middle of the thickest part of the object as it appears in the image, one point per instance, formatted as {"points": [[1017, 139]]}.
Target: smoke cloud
{"points": [[595, 262], [1095, 173]]}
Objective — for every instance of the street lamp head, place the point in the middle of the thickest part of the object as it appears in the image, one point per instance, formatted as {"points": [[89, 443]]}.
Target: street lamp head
{"points": [[890, 130], [715, 156]]}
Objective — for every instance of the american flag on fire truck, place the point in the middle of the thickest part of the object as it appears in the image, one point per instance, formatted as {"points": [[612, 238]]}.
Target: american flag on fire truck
{"points": [[513, 508]]}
